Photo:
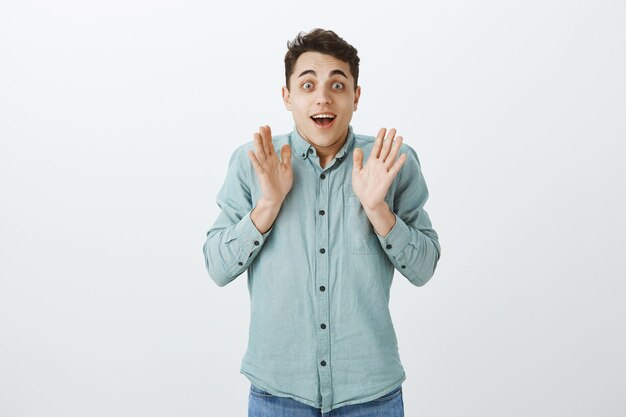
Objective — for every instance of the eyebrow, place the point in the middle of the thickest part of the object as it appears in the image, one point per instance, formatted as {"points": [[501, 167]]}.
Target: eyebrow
{"points": [[333, 72]]}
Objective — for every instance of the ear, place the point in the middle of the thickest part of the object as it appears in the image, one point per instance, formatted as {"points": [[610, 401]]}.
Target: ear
{"points": [[357, 95], [286, 98]]}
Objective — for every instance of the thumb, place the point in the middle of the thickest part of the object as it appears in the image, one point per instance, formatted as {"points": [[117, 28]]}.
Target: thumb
{"points": [[285, 155], [357, 159]]}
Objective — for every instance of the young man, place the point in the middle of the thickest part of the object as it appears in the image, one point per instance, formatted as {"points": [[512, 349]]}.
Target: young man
{"points": [[321, 230]]}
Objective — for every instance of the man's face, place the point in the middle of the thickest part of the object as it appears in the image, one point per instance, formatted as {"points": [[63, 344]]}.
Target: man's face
{"points": [[321, 85]]}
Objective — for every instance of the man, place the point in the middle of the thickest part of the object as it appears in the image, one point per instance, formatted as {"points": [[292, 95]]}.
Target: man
{"points": [[321, 230]]}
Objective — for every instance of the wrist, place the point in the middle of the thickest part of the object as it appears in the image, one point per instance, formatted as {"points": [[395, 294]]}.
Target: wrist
{"points": [[378, 208], [266, 204], [264, 214], [381, 217]]}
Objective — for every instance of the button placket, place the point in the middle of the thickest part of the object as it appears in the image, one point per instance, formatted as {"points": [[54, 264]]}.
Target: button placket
{"points": [[322, 286]]}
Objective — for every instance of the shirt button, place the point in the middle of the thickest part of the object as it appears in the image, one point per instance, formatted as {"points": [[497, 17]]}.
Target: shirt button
{"points": [[323, 363], [310, 150], [256, 243], [403, 266], [323, 176], [303, 155], [322, 288], [323, 326], [322, 250], [322, 212], [388, 246], [240, 263]]}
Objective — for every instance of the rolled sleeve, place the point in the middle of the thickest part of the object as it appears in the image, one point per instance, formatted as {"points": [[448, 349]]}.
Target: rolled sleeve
{"points": [[234, 241], [412, 245]]}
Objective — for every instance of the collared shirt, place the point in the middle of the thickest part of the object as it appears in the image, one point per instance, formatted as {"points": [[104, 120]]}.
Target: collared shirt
{"points": [[319, 279]]}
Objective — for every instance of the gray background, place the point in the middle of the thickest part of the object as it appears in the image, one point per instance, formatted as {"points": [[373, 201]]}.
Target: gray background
{"points": [[117, 120]]}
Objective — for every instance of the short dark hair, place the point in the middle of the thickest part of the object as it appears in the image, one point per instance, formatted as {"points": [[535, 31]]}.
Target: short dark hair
{"points": [[323, 41]]}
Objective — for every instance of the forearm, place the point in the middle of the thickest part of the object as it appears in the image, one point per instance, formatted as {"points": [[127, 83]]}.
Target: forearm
{"points": [[264, 215], [413, 251], [381, 218], [230, 248]]}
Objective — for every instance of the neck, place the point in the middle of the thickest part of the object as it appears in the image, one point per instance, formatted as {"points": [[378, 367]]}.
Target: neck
{"points": [[327, 153]]}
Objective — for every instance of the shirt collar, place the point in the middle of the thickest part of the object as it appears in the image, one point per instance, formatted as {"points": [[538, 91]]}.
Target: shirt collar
{"points": [[304, 149]]}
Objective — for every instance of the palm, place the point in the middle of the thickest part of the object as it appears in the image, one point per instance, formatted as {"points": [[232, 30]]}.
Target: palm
{"points": [[371, 182], [275, 179], [275, 175]]}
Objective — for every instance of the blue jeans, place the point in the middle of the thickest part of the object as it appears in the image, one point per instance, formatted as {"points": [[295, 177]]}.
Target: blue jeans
{"points": [[263, 404]]}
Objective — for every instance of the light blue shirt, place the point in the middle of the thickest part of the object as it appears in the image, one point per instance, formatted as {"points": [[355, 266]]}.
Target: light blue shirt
{"points": [[319, 279]]}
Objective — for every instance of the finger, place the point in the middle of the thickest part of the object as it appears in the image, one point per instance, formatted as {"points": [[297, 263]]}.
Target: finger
{"points": [[391, 159], [258, 146], [384, 153], [357, 160], [285, 156], [255, 162], [378, 143], [270, 143], [266, 135], [397, 166]]}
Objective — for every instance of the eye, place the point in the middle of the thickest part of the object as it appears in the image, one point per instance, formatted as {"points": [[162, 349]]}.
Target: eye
{"points": [[307, 85], [338, 86]]}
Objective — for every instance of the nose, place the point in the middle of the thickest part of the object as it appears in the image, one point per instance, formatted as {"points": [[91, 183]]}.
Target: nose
{"points": [[323, 97]]}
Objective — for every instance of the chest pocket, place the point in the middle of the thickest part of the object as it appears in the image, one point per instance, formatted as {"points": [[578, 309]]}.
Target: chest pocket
{"points": [[359, 233]]}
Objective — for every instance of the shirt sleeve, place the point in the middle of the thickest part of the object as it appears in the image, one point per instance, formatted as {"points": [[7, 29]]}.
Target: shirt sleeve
{"points": [[233, 241], [412, 245]]}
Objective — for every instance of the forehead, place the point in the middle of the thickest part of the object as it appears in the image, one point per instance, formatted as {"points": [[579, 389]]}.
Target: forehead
{"points": [[322, 64]]}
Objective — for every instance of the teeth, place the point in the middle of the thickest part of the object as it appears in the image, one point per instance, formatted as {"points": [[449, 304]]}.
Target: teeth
{"points": [[323, 116]]}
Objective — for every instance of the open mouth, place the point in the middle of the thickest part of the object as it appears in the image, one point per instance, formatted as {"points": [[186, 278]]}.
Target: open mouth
{"points": [[323, 119]]}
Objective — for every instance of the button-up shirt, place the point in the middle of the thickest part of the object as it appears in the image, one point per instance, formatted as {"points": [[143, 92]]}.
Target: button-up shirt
{"points": [[319, 280]]}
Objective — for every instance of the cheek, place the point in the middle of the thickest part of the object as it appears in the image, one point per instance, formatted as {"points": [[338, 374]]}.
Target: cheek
{"points": [[300, 108]]}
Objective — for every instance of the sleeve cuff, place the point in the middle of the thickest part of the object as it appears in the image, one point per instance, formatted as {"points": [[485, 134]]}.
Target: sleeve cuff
{"points": [[397, 239], [249, 236]]}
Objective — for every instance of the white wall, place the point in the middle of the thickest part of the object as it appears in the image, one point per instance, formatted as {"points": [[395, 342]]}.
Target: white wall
{"points": [[116, 123]]}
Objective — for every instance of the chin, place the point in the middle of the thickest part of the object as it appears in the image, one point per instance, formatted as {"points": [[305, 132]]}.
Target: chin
{"points": [[330, 135], [324, 139]]}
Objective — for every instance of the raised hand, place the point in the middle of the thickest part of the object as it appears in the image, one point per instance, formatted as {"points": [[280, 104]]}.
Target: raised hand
{"points": [[275, 175], [370, 183]]}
